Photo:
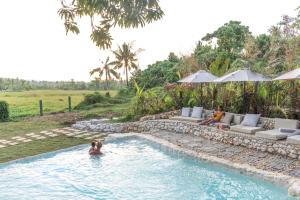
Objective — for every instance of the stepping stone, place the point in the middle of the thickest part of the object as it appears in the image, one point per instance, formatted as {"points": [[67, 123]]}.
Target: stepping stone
{"points": [[53, 135], [27, 140], [5, 141], [40, 137], [30, 134], [2, 146], [44, 132], [48, 133], [20, 139], [13, 143], [16, 137]]}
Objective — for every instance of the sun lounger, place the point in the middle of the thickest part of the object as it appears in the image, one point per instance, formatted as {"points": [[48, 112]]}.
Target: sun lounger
{"points": [[249, 125], [283, 128], [294, 139], [194, 116]]}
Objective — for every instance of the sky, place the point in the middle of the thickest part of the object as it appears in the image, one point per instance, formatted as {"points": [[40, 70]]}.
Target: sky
{"points": [[34, 44]]}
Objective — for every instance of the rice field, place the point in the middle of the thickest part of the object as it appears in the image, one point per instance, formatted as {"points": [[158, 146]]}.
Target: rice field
{"points": [[26, 103]]}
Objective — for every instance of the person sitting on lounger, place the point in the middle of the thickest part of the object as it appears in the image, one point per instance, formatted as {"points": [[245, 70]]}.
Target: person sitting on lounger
{"points": [[218, 114]]}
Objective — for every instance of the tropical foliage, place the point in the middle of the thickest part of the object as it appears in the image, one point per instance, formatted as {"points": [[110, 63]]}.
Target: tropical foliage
{"points": [[228, 48], [126, 58], [106, 71], [106, 14], [4, 112]]}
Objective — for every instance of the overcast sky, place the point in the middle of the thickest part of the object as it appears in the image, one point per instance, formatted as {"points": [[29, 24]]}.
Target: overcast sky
{"points": [[33, 43]]}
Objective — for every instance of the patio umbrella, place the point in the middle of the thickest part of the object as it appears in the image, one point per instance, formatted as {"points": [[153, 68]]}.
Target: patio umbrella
{"points": [[201, 77], [243, 75], [292, 75]]}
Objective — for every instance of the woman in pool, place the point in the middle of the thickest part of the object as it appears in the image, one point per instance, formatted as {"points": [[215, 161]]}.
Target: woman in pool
{"points": [[95, 148], [218, 114]]}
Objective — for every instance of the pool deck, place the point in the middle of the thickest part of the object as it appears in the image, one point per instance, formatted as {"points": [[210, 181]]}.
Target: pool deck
{"points": [[274, 168]]}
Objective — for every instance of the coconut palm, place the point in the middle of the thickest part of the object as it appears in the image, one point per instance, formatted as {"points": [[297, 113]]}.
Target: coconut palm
{"points": [[107, 71], [126, 58]]}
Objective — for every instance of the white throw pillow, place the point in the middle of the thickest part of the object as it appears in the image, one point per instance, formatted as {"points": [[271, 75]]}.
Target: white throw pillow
{"points": [[227, 118], [197, 112], [185, 112], [251, 120]]}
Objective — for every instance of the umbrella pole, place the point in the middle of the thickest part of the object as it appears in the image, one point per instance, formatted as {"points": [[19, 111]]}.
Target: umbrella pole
{"points": [[201, 87], [244, 98]]}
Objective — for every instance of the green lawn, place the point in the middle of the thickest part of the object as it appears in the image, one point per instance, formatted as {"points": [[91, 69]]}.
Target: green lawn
{"points": [[26, 103], [38, 147], [36, 124]]}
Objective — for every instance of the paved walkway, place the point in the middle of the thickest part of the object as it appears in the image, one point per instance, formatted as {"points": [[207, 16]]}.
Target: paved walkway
{"points": [[67, 131], [260, 160]]}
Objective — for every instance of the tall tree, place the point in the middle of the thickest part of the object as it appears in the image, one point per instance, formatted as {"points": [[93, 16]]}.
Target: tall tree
{"points": [[126, 58], [108, 14], [107, 71], [230, 37]]}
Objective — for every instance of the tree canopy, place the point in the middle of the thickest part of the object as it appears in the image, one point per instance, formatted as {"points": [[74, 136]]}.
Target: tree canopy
{"points": [[105, 14]]}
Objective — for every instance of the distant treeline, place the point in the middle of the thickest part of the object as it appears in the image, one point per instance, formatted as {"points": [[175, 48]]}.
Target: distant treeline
{"points": [[10, 84]]}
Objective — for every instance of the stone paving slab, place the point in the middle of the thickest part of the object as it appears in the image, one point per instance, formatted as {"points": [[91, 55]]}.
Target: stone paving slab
{"points": [[68, 131], [238, 154]]}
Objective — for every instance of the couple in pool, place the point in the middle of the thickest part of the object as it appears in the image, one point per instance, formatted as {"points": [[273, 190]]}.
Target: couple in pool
{"points": [[95, 148]]}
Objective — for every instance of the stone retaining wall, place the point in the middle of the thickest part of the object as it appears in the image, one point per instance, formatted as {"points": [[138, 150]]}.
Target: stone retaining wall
{"points": [[165, 115], [228, 137]]}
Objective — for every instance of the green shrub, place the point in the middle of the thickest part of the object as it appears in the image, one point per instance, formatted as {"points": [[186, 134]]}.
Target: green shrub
{"points": [[152, 101], [4, 112], [107, 94], [98, 100], [93, 98], [125, 92]]}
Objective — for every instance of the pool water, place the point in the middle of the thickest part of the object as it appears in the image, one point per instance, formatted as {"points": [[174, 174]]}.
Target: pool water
{"points": [[130, 169]]}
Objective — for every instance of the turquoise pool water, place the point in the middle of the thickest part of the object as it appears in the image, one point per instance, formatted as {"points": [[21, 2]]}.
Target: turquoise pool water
{"points": [[131, 169]]}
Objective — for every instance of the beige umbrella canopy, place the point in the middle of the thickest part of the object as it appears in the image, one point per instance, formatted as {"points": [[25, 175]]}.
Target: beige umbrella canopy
{"points": [[242, 75], [292, 75], [201, 77]]}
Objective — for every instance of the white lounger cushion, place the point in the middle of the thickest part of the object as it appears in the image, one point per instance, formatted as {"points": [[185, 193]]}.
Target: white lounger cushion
{"points": [[286, 123], [246, 129], [276, 134], [197, 112], [294, 139], [191, 119], [273, 134]]}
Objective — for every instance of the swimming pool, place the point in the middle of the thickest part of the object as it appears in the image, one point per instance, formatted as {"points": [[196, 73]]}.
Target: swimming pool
{"points": [[129, 169]]}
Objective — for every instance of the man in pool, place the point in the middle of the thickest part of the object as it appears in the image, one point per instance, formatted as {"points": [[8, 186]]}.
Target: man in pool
{"points": [[95, 148]]}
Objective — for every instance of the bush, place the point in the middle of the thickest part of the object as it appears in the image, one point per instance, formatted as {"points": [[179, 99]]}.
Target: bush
{"points": [[98, 100], [93, 98], [152, 101], [4, 113]]}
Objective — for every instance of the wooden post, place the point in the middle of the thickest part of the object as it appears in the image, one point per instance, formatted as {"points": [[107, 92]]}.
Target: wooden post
{"points": [[41, 107], [70, 103]]}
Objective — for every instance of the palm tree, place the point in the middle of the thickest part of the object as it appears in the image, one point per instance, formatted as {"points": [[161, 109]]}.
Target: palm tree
{"points": [[126, 58], [107, 71]]}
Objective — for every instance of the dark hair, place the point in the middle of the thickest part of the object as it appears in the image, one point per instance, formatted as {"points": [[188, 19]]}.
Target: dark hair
{"points": [[99, 144], [93, 144]]}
